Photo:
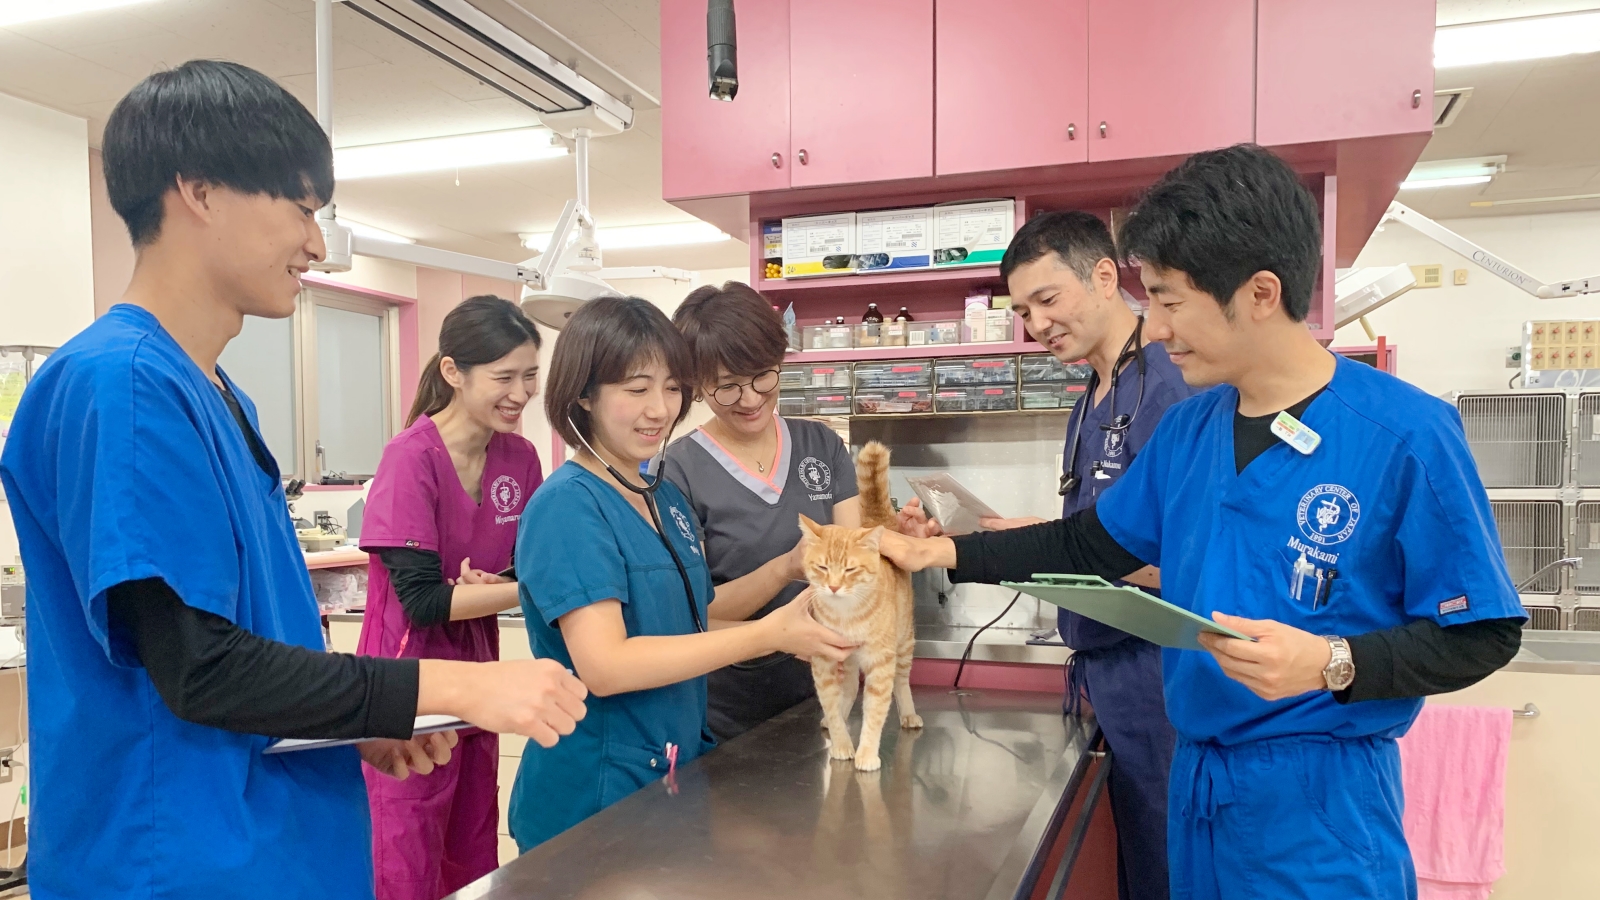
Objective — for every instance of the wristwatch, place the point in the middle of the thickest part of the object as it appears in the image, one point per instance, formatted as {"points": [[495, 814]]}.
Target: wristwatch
{"points": [[1341, 669]]}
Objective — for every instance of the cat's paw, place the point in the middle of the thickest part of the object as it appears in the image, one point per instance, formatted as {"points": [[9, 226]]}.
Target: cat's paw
{"points": [[867, 762], [840, 749], [911, 721]]}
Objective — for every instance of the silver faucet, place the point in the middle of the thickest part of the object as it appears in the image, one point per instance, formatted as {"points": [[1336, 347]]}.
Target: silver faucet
{"points": [[1571, 562]]}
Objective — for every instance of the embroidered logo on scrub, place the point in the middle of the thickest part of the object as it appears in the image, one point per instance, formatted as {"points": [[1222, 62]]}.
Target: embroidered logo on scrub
{"points": [[685, 528], [506, 493], [1328, 514], [1459, 604], [1116, 438], [815, 476]]}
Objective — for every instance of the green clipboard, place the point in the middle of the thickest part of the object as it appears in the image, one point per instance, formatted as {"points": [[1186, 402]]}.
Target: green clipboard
{"points": [[1124, 608]]}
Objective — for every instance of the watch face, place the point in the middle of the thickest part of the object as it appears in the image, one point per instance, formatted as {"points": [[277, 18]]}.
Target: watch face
{"points": [[1339, 675]]}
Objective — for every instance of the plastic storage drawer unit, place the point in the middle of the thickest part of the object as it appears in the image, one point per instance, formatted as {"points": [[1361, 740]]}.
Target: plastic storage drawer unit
{"points": [[1038, 367], [827, 337], [815, 377], [976, 399], [1052, 395], [909, 374], [792, 404], [920, 334], [828, 403], [990, 370], [910, 400]]}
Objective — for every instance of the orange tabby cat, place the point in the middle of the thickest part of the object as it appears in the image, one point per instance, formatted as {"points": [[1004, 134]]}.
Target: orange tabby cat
{"points": [[863, 596]]}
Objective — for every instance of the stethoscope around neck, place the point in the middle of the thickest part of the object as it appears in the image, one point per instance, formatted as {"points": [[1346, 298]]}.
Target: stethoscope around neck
{"points": [[648, 492], [1119, 424]]}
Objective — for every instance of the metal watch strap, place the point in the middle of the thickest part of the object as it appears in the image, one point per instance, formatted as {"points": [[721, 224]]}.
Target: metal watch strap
{"points": [[1341, 669]]}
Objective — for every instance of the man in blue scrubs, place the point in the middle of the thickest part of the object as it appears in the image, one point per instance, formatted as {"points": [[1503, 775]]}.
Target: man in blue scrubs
{"points": [[1328, 510], [172, 631], [1062, 273]]}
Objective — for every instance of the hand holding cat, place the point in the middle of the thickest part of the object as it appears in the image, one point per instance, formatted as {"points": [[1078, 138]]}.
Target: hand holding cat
{"points": [[794, 631], [915, 554]]}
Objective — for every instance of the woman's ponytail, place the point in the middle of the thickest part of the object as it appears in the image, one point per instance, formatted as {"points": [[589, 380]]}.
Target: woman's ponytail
{"points": [[433, 392]]}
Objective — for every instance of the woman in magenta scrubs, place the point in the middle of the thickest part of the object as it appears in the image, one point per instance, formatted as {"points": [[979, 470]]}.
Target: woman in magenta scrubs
{"points": [[441, 515]]}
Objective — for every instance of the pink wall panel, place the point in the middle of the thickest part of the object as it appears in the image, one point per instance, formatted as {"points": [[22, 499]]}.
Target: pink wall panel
{"points": [[1170, 77], [990, 676], [1333, 71], [709, 147], [861, 93], [1011, 77]]}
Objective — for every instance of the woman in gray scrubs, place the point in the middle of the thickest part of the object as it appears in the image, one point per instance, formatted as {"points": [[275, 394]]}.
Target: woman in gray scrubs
{"points": [[750, 474]]}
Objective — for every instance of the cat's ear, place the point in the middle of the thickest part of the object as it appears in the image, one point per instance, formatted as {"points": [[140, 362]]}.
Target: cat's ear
{"points": [[873, 537], [808, 528]]}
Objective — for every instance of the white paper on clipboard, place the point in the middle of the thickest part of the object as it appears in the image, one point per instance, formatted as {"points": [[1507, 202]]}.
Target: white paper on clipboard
{"points": [[424, 725], [947, 500]]}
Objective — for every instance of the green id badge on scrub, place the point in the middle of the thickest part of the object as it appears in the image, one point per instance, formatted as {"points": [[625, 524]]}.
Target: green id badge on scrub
{"points": [[1294, 432], [1125, 608]]}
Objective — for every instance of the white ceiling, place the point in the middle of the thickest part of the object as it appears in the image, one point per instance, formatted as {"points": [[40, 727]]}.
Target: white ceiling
{"points": [[1542, 115]]}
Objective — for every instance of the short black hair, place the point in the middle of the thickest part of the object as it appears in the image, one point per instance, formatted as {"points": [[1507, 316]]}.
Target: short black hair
{"points": [[1080, 239], [605, 342], [1224, 215], [216, 122], [733, 327]]}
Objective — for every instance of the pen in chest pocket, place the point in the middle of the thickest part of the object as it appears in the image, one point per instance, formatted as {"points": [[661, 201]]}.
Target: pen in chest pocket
{"points": [[1324, 588]]}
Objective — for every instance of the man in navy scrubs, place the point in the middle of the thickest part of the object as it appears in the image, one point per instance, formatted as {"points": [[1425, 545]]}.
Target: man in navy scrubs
{"points": [[1329, 511], [172, 631], [1062, 272]]}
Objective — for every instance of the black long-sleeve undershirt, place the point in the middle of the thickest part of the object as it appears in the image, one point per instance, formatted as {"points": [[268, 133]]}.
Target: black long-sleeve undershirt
{"points": [[418, 580], [1413, 660], [211, 672]]}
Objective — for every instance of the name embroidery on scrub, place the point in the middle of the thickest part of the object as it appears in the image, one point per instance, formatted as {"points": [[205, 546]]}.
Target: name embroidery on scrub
{"points": [[505, 494], [1327, 515], [685, 529], [816, 478]]}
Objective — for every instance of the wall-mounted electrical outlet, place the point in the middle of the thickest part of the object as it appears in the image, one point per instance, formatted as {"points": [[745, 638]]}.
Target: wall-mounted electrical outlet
{"points": [[1514, 357], [5, 764]]}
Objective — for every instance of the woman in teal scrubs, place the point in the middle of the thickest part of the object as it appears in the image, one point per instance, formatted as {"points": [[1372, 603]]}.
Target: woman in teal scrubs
{"points": [[602, 591]]}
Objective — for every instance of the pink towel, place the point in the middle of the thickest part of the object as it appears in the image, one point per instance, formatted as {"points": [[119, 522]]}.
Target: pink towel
{"points": [[1453, 764]]}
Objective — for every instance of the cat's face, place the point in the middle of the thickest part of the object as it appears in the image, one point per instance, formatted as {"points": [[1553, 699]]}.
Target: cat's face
{"points": [[840, 561]]}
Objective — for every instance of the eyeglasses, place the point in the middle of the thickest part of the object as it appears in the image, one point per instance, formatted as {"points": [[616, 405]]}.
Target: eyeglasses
{"points": [[730, 393]]}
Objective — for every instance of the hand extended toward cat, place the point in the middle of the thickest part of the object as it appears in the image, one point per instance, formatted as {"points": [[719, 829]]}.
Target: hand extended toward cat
{"points": [[792, 630], [911, 520], [915, 554]]}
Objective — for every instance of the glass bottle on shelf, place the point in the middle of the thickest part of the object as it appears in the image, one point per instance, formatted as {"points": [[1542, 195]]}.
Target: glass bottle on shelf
{"points": [[872, 314], [838, 320], [904, 315]]}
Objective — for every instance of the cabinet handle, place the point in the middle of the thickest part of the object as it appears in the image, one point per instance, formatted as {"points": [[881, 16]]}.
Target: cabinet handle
{"points": [[1102, 129], [777, 161], [1072, 132], [1416, 99], [803, 159]]}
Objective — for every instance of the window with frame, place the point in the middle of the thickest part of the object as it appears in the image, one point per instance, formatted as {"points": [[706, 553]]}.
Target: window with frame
{"points": [[325, 383]]}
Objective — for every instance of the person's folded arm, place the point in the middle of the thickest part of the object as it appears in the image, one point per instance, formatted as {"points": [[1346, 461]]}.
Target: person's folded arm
{"points": [[1076, 545], [1422, 658], [209, 671]]}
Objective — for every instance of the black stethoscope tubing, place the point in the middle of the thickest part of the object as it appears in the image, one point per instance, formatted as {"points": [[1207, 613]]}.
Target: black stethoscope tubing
{"points": [[648, 492], [1131, 347]]}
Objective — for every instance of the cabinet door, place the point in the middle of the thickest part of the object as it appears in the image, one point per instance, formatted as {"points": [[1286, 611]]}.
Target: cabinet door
{"points": [[708, 147], [861, 90], [1170, 77], [1012, 84], [1330, 71]]}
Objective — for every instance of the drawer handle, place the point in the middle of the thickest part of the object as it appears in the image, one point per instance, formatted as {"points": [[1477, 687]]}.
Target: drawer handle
{"points": [[1102, 129], [777, 161], [803, 159], [1072, 132]]}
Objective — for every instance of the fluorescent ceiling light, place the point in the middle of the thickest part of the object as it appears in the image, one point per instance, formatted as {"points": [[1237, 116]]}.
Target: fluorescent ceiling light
{"points": [[1444, 182], [622, 237], [459, 151], [375, 233], [1454, 172], [1539, 37], [15, 12]]}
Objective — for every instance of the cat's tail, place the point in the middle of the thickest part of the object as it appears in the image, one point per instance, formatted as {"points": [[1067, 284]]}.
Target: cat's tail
{"points": [[872, 481]]}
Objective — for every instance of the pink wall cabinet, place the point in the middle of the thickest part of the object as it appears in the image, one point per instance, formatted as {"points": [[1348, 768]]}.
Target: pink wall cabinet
{"points": [[1011, 84], [1169, 77], [711, 148], [1335, 71], [860, 91]]}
